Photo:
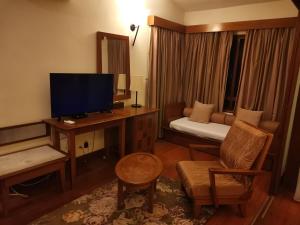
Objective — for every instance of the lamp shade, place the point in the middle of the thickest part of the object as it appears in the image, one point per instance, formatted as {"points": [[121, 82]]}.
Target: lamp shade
{"points": [[122, 81], [137, 83]]}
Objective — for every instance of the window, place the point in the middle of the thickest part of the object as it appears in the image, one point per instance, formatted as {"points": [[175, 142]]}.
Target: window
{"points": [[236, 54]]}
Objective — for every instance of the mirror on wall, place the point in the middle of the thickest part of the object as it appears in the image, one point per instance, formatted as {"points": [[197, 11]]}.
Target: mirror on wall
{"points": [[113, 57]]}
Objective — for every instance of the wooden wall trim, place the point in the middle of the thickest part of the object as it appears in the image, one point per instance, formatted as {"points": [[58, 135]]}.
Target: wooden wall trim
{"points": [[230, 26], [20, 126], [243, 25], [167, 24]]}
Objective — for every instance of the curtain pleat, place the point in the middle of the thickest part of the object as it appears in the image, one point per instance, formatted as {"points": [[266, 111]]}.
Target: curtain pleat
{"points": [[165, 74], [264, 71], [206, 65]]}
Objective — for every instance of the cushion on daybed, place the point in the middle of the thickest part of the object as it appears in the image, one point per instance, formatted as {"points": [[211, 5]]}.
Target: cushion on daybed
{"points": [[249, 116], [201, 112], [205, 130]]}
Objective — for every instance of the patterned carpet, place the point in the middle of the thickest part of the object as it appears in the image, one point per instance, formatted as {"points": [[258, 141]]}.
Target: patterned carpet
{"points": [[100, 208]]}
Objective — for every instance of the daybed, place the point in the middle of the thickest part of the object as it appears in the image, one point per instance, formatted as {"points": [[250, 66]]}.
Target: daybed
{"points": [[180, 130]]}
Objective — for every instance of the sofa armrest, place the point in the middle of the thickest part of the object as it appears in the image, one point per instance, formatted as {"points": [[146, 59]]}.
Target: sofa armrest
{"points": [[173, 111]]}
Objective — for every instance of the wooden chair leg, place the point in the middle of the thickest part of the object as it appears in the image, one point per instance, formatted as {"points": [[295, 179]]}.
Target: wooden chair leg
{"points": [[4, 197], [62, 177], [197, 209], [150, 197], [120, 194], [242, 209]]}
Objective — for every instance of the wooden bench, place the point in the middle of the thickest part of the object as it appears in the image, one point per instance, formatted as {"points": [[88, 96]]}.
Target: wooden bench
{"points": [[27, 164]]}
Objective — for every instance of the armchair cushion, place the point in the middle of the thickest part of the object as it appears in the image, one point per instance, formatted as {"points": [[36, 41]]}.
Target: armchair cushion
{"points": [[242, 145], [195, 178]]}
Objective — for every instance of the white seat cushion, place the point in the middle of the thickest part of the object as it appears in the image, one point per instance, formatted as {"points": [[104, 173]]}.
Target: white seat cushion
{"points": [[214, 131], [17, 161]]}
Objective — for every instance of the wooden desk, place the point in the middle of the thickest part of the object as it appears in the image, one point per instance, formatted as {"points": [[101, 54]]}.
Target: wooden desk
{"points": [[127, 121]]}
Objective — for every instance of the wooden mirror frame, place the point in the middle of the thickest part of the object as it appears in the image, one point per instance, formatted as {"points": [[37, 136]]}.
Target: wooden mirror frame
{"points": [[100, 37]]}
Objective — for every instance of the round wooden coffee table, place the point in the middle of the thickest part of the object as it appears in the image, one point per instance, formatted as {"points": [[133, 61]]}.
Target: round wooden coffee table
{"points": [[138, 171]]}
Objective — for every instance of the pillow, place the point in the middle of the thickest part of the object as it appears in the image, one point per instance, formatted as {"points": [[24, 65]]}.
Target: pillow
{"points": [[218, 118], [249, 116], [201, 112], [187, 111], [229, 119]]}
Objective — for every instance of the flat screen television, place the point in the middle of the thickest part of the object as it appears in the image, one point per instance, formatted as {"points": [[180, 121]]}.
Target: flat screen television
{"points": [[78, 94]]}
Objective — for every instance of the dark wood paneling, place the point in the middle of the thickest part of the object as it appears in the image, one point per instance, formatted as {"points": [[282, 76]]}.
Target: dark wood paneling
{"points": [[141, 131], [167, 24]]}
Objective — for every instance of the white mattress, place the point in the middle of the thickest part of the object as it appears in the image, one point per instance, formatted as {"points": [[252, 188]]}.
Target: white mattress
{"points": [[205, 130]]}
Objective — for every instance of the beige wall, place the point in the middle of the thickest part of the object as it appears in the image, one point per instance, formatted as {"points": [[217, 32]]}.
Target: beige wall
{"points": [[39, 37], [268, 10]]}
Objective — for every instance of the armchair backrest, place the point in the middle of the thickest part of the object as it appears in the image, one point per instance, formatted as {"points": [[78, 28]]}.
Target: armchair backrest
{"points": [[245, 146]]}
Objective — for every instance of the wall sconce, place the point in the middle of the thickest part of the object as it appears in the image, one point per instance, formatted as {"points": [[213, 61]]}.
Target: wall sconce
{"points": [[132, 28]]}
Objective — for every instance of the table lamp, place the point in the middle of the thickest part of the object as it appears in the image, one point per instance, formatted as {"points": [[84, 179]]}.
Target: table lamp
{"points": [[136, 84], [122, 82]]}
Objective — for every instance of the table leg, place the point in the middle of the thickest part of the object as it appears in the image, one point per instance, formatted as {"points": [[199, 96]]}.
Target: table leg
{"points": [[120, 194], [122, 138], [55, 138], [71, 151], [150, 197], [62, 177]]}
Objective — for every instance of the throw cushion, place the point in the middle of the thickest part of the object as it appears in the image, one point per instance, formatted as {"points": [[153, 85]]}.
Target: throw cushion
{"points": [[201, 112], [218, 118], [249, 116], [229, 119], [187, 111], [242, 145]]}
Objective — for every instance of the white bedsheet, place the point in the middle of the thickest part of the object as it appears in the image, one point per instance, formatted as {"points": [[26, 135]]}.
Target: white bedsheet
{"points": [[206, 130]]}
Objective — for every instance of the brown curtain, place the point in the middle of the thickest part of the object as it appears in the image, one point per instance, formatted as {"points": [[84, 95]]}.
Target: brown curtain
{"points": [[206, 64], [165, 74], [117, 59], [264, 72]]}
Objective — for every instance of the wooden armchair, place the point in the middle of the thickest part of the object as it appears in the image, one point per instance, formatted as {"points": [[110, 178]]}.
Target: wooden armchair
{"points": [[229, 180]]}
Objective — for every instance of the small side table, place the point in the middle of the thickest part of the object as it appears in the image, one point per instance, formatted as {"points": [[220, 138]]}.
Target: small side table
{"points": [[138, 171]]}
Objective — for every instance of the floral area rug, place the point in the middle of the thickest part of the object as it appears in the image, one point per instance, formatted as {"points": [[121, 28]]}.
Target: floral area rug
{"points": [[171, 206]]}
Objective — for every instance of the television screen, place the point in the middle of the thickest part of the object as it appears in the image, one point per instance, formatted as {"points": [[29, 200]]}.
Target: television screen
{"points": [[78, 94]]}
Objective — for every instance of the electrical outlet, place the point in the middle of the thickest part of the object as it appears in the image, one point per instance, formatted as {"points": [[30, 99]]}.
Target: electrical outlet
{"points": [[86, 144]]}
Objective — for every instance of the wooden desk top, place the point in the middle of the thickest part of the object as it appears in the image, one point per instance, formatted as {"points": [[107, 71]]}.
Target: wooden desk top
{"points": [[98, 118], [139, 168]]}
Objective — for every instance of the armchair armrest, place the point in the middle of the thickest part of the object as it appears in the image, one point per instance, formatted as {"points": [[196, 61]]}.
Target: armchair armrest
{"points": [[210, 149], [173, 111], [212, 179], [234, 171]]}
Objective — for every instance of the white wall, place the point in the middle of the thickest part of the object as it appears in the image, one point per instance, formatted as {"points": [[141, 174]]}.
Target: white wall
{"points": [[39, 37], [268, 10]]}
